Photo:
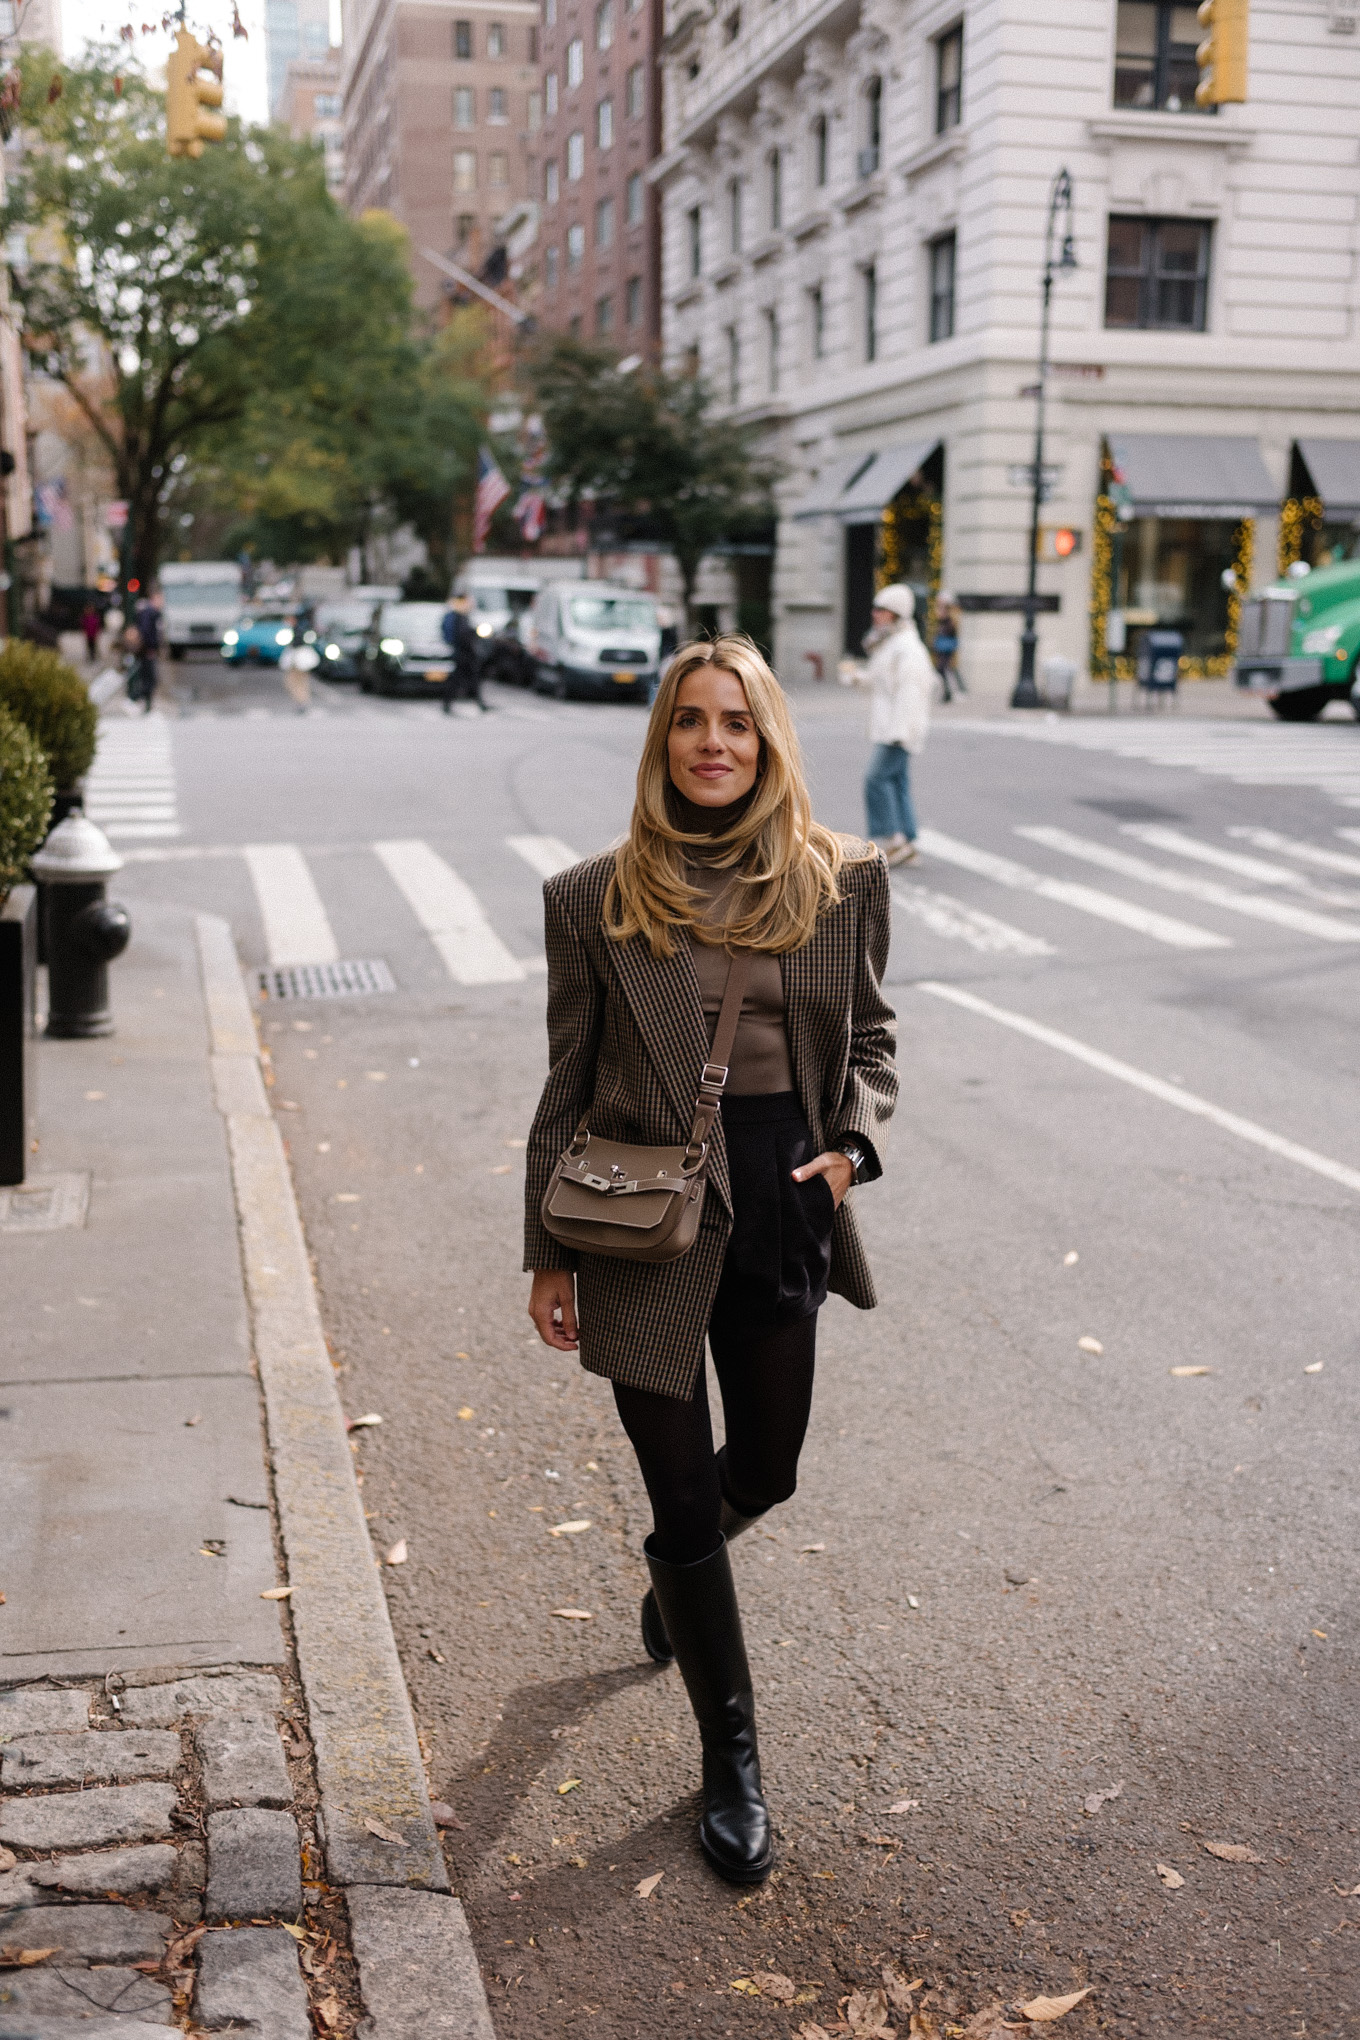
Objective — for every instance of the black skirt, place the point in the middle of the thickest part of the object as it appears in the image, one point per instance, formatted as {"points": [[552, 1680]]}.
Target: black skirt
{"points": [[779, 1254]]}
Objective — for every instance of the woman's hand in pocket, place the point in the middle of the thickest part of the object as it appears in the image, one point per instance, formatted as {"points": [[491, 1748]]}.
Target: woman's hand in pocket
{"points": [[552, 1306], [836, 1167]]}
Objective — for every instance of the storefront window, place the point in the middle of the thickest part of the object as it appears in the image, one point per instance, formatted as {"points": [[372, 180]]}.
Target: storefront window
{"points": [[1169, 574]]}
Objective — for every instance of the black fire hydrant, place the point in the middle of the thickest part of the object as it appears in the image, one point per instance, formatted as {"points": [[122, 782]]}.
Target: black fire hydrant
{"points": [[83, 931]]}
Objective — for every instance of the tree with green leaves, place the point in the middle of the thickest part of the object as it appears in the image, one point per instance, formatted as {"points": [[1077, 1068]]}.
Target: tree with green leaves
{"points": [[647, 446]]}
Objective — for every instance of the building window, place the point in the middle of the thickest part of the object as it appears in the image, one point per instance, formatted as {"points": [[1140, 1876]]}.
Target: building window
{"points": [[464, 107], [816, 323], [604, 123], [496, 107], [691, 361], [949, 80], [535, 106], [869, 155], [633, 301], [576, 157], [498, 167], [1157, 274], [734, 216], [533, 42], [635, 93], [464, 170], [576, 62], [550, 94], [733, 365], [574, 325], [552, 185], [550, 13], [871, 312], [462, 41], [327, 106], [604, 223], [550, 268], [772, 350], [821, 150], [576, 246], [464, 226], [694, 221], [774, 164], [1154, 55], [604, 25], [495, 40], [942, 287], [633, 200], [604, 315]]}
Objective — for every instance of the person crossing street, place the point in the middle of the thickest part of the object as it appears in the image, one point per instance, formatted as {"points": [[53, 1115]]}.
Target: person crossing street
{"points": [[465, 681], [902, 679]]}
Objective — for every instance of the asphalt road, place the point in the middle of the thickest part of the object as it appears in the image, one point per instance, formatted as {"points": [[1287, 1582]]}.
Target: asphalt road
{"points": [[1067, 1592]]}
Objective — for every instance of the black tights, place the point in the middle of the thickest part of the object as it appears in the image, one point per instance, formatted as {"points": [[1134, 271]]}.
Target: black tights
{"points": [[766, 1381]]}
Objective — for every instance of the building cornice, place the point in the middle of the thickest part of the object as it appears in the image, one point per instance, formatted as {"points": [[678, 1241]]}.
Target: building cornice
{"points": [[1201, 129], [945, 148]]}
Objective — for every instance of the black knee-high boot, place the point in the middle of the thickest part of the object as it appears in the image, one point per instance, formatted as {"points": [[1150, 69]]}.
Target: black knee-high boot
{"points": [[655, 1641], [698, 1604]]}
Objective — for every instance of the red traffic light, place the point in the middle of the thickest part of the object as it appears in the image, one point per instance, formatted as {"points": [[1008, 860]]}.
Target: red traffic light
{"points": [[1065, 543]]}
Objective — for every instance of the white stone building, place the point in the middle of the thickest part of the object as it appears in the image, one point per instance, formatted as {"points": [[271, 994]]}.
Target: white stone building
{"points": [[855, 195]]}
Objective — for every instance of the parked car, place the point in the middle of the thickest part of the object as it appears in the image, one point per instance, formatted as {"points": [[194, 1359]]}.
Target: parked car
{"points": [[342, 627], [592, 639], [405, 651], [201, 598], [259, 640]]}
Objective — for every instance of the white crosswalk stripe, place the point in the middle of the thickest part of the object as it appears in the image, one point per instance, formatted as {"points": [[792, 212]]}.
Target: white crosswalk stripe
{"points": [[130, 788], [1307, 853], [297, 928], [547, 855], [1321, 755], [1085, 899], [1254, 868], [451, 915], [1300, 919], [946, 916]]}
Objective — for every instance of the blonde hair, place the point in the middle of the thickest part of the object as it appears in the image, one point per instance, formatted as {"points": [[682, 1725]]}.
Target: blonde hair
{"points": [[785, 862]]}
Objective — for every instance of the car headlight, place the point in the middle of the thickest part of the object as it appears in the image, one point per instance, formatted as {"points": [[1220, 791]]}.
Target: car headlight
{"points": [[283, 637], [333, 651], [1322, 640], [486, 630], [393, 646], [231, 637]]}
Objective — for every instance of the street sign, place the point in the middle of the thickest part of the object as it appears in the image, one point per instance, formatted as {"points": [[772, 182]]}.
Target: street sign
{"points": [[1021, 476], [1011, 605]]}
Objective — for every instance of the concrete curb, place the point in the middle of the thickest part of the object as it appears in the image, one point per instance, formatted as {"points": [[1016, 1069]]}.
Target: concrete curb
{"points": [[367, 1756]]}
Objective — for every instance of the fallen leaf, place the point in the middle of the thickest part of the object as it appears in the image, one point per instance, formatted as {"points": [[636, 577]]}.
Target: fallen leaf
{"points": [[1232, 1852], [276, 1593], [904, 1806], [866, 2011], [567, 1785], [397, 1555], [384, 1834], [649, 1884], [1071, 1260], [1172, 1879], [213, 1547], [883, 1841], [23, 1958], [1042, 2009], [987, 2025], [1320, 1634], [331, 2011], [1095, 1800], [572, 1529], [286, 1105], [771, 1984], [1020, 1920], [298, 1933], [466, 1413], [437, 1655], [376, 1076], [502, 1169], [574, 1614], [8, 1859], [1184, 1373], [745, 1985], [812, 1547], [1316, 1367], [1015, 1577], [923, 2026], [189, 1422], [347, 1197], [92, 1095], [444, 1815], [363, 1423], [900, 1992], [1089, 1345], [912, 1601], [806, 2032]]}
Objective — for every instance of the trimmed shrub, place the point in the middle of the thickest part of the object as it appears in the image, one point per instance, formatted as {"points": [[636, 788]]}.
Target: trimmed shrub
{"points": [[52, 701], [25, 800]]}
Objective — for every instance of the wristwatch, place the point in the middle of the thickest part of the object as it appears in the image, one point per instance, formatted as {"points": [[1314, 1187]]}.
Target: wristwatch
{"points": [[856, 1157]]}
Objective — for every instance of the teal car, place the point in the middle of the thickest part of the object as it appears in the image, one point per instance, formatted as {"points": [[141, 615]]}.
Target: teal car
{"points": [[1298, 641], [260, 640]]}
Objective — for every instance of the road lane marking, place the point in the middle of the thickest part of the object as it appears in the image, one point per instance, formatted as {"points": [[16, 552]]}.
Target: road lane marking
{"points": [[946, 916], [1250, 754], [1300, 919], [547, 855], [1086, 900], [1254, 868], [1307, 853], [296, 926], [1155, 1087], [451, 915], [130, 788]]}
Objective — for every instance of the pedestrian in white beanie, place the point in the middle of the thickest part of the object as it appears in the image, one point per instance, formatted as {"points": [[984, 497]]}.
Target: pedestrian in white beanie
{"points": [[903, 681]]}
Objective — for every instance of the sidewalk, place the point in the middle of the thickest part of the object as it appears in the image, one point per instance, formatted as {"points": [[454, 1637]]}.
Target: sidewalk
{"points": [[213, 1813]]}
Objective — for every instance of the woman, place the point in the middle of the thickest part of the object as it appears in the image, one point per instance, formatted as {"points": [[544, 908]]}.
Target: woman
{"points": [[902, 678], [722, 856], [944, 646]]}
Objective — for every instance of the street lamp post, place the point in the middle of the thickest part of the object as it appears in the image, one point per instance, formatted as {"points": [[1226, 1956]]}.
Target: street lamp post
{"points": [[1026, 693]]}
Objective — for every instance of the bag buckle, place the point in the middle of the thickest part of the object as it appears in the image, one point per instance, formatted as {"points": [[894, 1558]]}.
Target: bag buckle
{"points": [[713, 1076]]}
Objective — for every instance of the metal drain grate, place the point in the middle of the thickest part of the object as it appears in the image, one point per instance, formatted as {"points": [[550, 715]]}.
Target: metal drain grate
{"points": [[327, 980]]}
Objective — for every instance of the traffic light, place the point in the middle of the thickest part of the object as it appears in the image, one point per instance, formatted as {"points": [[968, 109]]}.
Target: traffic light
{"points": [[1222, 56], [187, 125]]}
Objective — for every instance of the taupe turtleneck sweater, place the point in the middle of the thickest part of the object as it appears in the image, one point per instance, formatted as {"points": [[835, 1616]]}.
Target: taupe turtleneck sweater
{"points": [[760, 1054]]}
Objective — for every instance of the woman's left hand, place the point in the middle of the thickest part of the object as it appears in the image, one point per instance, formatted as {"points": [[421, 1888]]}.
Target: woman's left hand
{"points": [[836, 1167]]}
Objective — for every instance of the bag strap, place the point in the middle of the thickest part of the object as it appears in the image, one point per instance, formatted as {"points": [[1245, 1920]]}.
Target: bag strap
{"points": [[713, 1077]]}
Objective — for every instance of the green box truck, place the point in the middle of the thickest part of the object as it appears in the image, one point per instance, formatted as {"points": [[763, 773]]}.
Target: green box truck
{"points": [[1298, 641]]}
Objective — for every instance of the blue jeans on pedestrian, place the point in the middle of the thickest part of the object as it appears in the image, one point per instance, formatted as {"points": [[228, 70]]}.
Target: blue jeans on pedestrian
{"points": [[887, 793]]}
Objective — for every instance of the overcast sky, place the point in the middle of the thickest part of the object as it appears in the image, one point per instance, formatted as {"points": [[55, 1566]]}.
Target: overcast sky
{"points": [[243, 77]]}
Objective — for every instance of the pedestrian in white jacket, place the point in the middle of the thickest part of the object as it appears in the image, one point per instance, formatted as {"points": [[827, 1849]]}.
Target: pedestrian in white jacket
{"points": [[902, 677]]}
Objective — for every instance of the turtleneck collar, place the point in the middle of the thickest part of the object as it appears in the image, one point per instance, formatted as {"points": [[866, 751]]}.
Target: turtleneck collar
{"points": [[708, 821]]}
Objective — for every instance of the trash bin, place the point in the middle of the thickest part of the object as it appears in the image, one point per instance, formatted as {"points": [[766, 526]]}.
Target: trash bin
{"points": [[1060, 677], [1159, 661]]}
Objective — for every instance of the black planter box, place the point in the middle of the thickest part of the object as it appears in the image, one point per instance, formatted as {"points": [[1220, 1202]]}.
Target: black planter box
{"points": [[18, 1043]]}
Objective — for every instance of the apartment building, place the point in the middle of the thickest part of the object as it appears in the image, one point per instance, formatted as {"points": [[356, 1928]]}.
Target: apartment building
{"points": [[312, 106], [294, 30], [442, 110], [855, 198], [599, 240]]}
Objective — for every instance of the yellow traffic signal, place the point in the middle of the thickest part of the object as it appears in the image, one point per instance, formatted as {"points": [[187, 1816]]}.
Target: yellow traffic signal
{"points": [[1222, 56], [187, 125]]}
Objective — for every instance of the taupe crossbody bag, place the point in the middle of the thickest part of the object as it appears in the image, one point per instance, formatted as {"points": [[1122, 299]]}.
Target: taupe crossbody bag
{"points": [[643, 1203]]}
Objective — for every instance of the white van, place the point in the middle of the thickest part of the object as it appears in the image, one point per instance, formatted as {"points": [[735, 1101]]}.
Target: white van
{"points": [[502, 592], [202, 601], [592, 638]]}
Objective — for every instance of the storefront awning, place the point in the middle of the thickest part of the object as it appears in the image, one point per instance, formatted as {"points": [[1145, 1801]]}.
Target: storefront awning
{"points": [[1334, 465], [859, 489], [1192, 474]]}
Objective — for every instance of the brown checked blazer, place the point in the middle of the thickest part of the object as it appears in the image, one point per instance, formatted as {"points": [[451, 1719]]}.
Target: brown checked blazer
{"points": [[626, 1039]]}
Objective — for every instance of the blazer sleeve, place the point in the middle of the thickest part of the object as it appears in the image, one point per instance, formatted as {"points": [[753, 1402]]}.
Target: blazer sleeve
{"points": [[871, 1083], [575, 1014]]}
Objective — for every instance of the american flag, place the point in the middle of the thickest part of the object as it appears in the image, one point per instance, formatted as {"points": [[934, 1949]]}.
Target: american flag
{"points": [[492, 490], [53, 505], [531, 514]]}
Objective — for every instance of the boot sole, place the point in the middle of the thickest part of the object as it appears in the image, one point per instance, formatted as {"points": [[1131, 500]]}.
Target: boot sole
{"points": [[736, 1873]]}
